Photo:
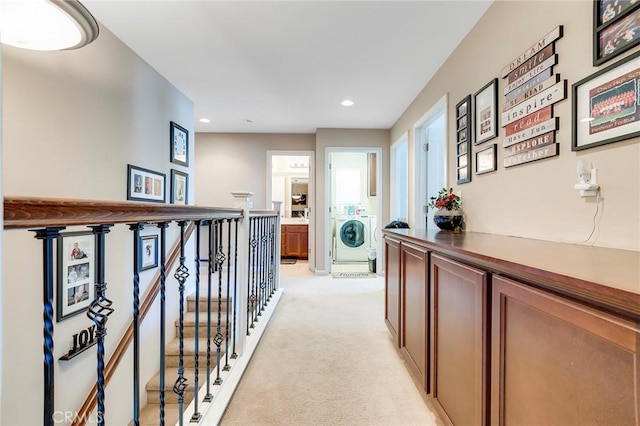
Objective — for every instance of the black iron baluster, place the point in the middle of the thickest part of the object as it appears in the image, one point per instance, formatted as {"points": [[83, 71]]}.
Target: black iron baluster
{"points": [[252, 274], [234, 355], [181, 275], [136, 228], [99, 312], [219, 262], [209, 396], [163, 310], [47, 235], [260, 271], [263, 283], [272, 252], [227, 367], [196, 414], [274, 259]]}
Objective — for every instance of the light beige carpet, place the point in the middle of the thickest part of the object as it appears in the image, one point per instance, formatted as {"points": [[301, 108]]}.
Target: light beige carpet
{"points": [[327, 359]]}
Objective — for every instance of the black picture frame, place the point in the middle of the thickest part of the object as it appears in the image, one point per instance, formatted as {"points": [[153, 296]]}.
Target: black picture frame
{"points": [[145, 185], [614, 32], [463, 140], [148, 252], [607, 94], [485, 105], [487, 159], [75, 287], [179, 187], [179, 144]]}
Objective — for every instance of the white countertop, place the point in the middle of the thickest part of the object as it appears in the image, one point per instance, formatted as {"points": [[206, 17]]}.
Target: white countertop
{"points": [[294, 221]]}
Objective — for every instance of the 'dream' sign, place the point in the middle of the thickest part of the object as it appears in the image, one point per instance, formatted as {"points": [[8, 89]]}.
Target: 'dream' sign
{"points": [[554, 35]]}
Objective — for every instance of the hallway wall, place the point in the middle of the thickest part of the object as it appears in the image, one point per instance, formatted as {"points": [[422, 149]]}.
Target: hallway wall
{"points": [[535, 200]]}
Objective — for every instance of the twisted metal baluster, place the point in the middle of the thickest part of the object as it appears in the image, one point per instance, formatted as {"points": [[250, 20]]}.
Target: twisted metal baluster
{"points": [[163, 310], [196, 414], [219, 262], [234, 355], [47, 235], [181, 275], [209, 396], [137, 258], [227, 367], [99, 312]]}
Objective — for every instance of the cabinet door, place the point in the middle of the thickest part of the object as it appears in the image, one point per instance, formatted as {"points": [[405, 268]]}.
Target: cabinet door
{"points": [[459, 342], [556, 362], [392, 288], [293, 244], [414, 325]]}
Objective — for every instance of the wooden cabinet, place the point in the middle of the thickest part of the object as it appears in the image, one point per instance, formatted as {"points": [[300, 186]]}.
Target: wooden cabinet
{"points": [[557, 362], [392, 288], [414, 309], [458, 342], [294, 241]]}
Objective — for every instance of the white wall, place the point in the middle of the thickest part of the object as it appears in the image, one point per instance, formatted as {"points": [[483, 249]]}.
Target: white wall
{"points": [[71, 122], [536, 200]]}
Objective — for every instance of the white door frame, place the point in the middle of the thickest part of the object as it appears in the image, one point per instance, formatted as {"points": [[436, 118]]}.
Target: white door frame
{"points": [[327, 199], [420, 177], [404, 138], [311, 194]]}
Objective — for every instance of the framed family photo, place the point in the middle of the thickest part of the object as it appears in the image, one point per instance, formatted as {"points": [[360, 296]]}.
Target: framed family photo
{"points": [[486, 116], [76, 269], [145, 185], [179, 137], [179, 187], [606, 105], [148, 254], [616, 28]]}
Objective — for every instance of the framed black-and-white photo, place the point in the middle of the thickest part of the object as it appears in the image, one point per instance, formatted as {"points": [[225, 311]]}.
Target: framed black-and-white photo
{"points": [[179, 144], [148, 254], [486, 117], [76, 269], [486, 159], [179, 187], [616, 28], [145, 185], [605, 106]]}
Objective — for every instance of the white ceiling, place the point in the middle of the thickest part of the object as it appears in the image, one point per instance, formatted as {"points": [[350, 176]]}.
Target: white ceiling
{"points": [[286, 65]]}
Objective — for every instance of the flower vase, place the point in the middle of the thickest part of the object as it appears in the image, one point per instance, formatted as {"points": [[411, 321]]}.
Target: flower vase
{"points": [[448, 220]]}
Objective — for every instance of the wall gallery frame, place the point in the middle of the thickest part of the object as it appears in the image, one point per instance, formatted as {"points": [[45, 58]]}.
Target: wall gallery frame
{"points": [[76, 270], [179, 137], [179, 187], [148, 254], [486, 159], [463, 141], [485, 120], [616, 28], [145, 185], [605, 106]]}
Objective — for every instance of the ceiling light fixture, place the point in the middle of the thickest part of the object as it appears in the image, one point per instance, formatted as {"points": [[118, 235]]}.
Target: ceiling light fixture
{"points": [[204, 120], [46, 24], [347, 103]]}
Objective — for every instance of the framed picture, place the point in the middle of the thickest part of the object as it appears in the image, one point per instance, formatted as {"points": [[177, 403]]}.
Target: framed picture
{"points": [[145, 185], [605, 106], [76, 269], [616, 28], [486, 116], [148, 254], [486, 159], [179, 144], [179, 187], [463, 139]]}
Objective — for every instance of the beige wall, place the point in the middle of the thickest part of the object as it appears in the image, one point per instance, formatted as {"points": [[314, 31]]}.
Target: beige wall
{"points": [[71, 122], [228, 162], [536, 200]]}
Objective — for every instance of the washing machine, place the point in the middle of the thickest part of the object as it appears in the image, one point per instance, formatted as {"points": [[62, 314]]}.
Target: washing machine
{"points": [[353, 238]]}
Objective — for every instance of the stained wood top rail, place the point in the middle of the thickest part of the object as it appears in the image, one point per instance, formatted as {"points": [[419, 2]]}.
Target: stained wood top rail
{"points": [[29, 212]]}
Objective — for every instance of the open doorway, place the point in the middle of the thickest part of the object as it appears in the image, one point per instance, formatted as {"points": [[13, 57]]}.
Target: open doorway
{"points": [[355, 205], [290, 180]]}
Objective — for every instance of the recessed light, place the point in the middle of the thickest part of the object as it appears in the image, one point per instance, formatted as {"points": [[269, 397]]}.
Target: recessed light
{"points": [[347, 102], [204, 120], [248, 121]]}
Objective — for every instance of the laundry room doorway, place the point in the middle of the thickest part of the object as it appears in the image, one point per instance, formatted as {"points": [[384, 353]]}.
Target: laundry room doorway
{"points": [[355, 204]]}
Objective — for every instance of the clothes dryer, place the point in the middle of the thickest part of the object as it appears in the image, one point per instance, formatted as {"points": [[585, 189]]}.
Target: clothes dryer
{"points": [[352, 238]]}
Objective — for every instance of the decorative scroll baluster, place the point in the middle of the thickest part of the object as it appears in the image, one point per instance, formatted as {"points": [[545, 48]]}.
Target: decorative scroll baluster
{"points": [[219, 262], [196, 356], [253, 243], [209, 396], [99, 312], [136, 228], [234, 355], [259, 266], [181, 275], [47, 235], [264, 264], [163, 312], [227, 367]]}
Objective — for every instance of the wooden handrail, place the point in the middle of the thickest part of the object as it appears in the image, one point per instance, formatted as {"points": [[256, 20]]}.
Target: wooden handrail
{"points": [[28, 212]]}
